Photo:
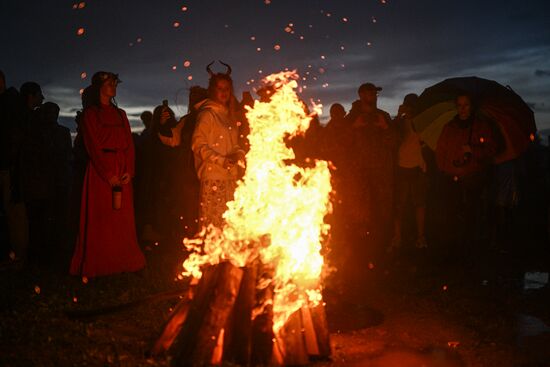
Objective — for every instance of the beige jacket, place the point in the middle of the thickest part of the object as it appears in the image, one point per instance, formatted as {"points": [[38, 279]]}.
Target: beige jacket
{"points": [[215, 136]]}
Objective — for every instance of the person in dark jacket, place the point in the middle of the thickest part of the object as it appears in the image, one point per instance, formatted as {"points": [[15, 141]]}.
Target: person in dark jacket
{"points": [[14, 235], [60, 151], [28, 168], [374, 140], [465, 149]]}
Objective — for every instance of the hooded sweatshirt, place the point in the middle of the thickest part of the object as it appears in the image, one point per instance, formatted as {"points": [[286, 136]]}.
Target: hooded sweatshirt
{"points": [[216, 136]]}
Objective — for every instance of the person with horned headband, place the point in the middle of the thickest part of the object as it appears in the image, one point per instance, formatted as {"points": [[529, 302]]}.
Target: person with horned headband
{"points": [[218, 156], [107, 241]]}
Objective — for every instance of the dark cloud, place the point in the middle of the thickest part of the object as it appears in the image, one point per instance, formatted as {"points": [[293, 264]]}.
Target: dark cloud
{"points": [[542, 72], [405, 46]]}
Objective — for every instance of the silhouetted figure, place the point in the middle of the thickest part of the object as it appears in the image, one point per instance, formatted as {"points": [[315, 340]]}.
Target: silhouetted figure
{"points": [[61, 158], [161, 164], [464, 151], [336, 144], [332, 134], [374, 142], [32, 178], [337, 114], [142, 148], [79, 164], [12, 237], [188, 174], [107, 241], [411, 182], [146, 118]]}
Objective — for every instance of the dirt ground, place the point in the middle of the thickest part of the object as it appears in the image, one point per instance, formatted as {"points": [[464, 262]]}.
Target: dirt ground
{"points": [[401, 311]]}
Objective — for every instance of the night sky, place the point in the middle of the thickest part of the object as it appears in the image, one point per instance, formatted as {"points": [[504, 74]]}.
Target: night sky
{"points": [[402, 45]]}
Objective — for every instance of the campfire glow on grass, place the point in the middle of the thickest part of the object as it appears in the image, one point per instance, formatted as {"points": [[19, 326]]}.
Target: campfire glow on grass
{"points": [[277, 215]]}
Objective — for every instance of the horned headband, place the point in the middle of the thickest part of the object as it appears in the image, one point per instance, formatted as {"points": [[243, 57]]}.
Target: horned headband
{"points": [[211, 73]]}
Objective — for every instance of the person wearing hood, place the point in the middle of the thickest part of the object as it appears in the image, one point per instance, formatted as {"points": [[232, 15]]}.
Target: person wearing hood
{"points": [[215, 143]]}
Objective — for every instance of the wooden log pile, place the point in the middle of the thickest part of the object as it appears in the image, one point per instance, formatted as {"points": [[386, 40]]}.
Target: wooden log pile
{"points": [[220, 321]]}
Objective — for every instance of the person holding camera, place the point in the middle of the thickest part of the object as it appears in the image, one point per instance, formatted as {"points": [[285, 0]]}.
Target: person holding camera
{"points": [[464, 151]]}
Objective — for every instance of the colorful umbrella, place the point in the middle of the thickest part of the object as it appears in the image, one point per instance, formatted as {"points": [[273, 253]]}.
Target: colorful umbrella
{"points": [[500, 104]]}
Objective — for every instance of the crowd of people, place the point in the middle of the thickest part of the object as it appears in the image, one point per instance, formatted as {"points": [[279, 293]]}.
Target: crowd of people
{"points": [[110, 192]]}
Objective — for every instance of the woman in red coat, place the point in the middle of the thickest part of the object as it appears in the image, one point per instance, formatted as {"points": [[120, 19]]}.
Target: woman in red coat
{"points": [[107, 242]]}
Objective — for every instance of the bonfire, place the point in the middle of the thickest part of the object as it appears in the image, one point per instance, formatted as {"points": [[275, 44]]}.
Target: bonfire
{"points": [[259, 278]]}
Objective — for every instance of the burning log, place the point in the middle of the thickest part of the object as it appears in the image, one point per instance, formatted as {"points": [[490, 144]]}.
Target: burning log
{"points": [[262, 324], [238, 340], [173, 326], [320, 325], [290, 348], [208, 315], [218, 324]]}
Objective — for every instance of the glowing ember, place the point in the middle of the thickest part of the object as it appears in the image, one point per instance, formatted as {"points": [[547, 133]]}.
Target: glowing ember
{"points": [[277, 47], [187, 63], [190, 77], [278, 210], [36, 289], [80, 31], [176, 24], [83, 75], [453, 344]]}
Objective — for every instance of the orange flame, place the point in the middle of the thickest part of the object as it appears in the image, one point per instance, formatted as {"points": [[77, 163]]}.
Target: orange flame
{"points": [[275, 200]]}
